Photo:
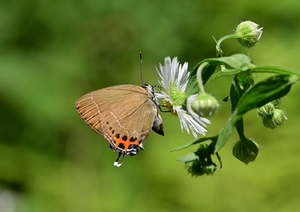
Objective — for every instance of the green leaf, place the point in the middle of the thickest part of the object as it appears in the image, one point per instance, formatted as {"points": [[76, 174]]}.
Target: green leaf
{"points": [[189, 157], [236, 61], [239, 62], [234, 94], [191, 143], [245, 80], [226, 99], [192, 86], [225, 132], [263, 92]]}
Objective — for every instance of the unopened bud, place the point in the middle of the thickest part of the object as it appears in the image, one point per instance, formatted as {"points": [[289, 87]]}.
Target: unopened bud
{"points": [[266, 110], [205, 105], [249, 33], [245, 150], [275, 120]]}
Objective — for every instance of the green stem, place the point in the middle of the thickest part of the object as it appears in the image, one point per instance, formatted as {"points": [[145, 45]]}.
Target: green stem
{"points": [[255, 69], [199, 76], [276, 70], [239, 125], [218, 48]]}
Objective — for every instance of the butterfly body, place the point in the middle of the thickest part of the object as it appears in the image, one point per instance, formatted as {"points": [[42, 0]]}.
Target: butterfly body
{"points": [[123, 114]]}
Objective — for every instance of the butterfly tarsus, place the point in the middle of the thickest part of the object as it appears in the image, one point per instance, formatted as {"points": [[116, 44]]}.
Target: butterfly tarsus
{"points": [[164, 111], [117, 164], [157, 86]]}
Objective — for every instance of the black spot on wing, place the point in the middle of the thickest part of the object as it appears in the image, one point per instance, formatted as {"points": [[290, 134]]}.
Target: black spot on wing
{"points": [[121, 146], [133, 139]]}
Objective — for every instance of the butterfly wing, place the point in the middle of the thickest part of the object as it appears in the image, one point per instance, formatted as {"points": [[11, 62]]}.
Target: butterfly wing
{"points": [[123, 114]]}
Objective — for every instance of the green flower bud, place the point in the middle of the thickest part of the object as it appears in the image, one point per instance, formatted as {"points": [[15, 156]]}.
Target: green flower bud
{"points": [[275, 120], [209, 170], [277, 102], [196, 168], [249, 33], [203, 164], [205, 105], [266, 110], [245, 150]]}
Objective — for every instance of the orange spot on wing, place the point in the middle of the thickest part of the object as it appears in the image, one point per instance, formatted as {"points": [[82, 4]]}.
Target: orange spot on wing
{"points": [[126, 143]]}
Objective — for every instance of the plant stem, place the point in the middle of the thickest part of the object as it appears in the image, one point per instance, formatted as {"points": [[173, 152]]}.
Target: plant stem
{"points": [[255, 69], [199, 76], [275, 69], [218, 48]]}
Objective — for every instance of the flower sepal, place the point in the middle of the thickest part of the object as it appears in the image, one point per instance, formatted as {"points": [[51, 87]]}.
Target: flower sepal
{"points": [[205, 105], [272, 116], [274, 120], [246, 150], [200, 162], [248, 33]]}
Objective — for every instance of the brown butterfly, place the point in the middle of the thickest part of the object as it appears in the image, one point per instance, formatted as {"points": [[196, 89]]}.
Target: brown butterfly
{"points": [[123, 114]]}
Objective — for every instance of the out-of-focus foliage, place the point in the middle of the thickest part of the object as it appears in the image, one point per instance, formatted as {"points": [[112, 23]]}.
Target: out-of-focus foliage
{"points": [[52, 52]]}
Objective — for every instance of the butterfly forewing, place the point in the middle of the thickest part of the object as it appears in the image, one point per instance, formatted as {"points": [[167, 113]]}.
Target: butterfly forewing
{"points": [[123, 114], [90, 111]]}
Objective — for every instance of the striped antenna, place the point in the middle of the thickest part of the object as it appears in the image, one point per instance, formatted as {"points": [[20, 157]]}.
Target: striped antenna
{"points": [[141, 68]]}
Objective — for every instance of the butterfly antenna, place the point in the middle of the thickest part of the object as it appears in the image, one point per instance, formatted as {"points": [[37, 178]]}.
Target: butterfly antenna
{"points": [[141, 59]]}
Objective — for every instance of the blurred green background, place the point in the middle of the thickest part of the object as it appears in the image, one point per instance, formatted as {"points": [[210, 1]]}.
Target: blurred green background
{"points": [[53, 52]]}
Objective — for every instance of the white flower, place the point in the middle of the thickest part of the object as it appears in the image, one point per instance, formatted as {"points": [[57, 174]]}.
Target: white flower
{"points": [[174, 79]]}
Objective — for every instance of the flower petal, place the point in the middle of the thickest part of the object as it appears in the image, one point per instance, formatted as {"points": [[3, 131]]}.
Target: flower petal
{"points": [[174, 74]]}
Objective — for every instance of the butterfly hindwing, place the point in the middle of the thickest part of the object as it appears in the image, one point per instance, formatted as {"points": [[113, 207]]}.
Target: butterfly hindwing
{"points": [[123, 114]]}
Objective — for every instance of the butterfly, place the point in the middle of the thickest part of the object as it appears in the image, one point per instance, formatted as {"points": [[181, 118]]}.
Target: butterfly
{"points": [[124, 115]]}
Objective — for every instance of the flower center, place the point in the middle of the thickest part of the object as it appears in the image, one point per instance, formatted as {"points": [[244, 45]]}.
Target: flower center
{"points": [[177, 96], [169, 106]]}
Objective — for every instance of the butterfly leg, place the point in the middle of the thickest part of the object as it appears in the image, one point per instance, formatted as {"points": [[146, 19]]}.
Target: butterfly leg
{"points": [[157, 86], [117, 161], [164, 111], [117, 164]]}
